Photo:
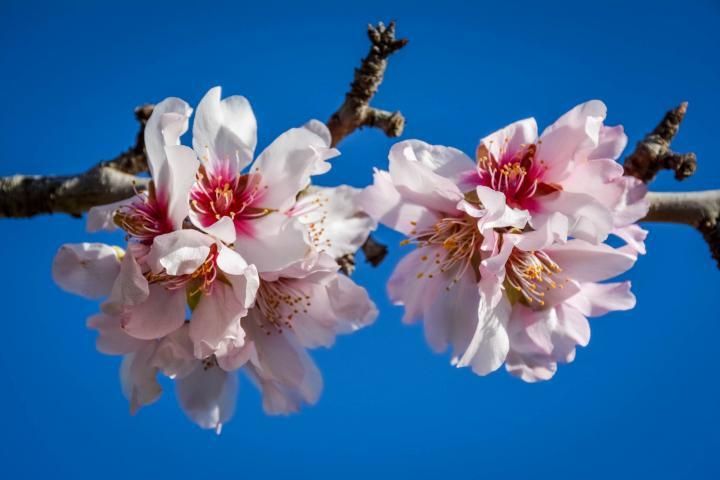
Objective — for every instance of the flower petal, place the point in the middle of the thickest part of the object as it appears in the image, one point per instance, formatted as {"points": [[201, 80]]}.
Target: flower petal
{"points": [[174, 354], [86, 269], [182, 165], [130, 287], [585, 262], [596, 299], [208, 396], [489, 344], [215, 325], [588, 219], [511, 139], [112, 339], [333, 305], [283, 370], [416, 283], [424, 174], [138, 378], [334, 220], [287, 164], [224, 130], [577, 129], [243, 278], [102, 217], [180, 252], [160, 314], [383, 202], [279, 243]]}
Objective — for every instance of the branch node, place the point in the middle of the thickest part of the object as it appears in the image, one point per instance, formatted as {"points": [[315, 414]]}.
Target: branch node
{"points": [[356, 112], [653, 152]]}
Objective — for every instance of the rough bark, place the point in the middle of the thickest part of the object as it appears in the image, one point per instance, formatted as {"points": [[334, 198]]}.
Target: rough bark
{"points": [[697, 209], [700, 210], [653, 152], [356, 112], [109, 181]]}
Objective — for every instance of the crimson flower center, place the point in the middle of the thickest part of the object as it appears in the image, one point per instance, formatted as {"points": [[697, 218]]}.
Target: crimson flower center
{"points": [[199, 281], [145, 218], [220, 194], [517, 174]]}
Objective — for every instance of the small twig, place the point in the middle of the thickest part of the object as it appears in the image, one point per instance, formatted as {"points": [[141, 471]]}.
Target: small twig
{"points": [[653, 152], [356, 112]]}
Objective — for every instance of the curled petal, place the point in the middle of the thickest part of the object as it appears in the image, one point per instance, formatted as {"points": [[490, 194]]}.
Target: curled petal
{"points": [[180, 252], [165, 126]]}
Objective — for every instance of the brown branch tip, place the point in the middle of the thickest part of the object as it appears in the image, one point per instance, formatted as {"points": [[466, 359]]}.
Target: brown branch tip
{"points": [[700, 210], [356, 112], [653, 152]]}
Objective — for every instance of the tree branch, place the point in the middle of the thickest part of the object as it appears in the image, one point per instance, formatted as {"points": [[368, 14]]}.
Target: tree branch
{"points": [[30, 195], [107, 182], [700, 210], [356, 112], [114, 180]]}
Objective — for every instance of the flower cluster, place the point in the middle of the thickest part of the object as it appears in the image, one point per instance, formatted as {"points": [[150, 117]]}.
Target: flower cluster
{"points": [[511, 248], [229, 264]]}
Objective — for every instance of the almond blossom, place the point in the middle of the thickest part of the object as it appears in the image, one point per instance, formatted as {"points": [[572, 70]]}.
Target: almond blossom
{"points": [[509, 251], [232, 245]]}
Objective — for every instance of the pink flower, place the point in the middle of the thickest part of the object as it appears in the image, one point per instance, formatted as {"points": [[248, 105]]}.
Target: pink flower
{"points": [[164, 207], [569, 169], [333, 220], [293, 313], [230, 203], [494, 274], [255, 266]]}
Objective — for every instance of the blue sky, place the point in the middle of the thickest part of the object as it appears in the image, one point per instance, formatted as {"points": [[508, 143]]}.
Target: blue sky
{"points": [[640, 401]]}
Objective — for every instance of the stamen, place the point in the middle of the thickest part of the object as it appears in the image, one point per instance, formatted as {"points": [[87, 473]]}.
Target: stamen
{"points": [[459, 237], [200, 281], [529, 273], [219, 193], [280, 301]]}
